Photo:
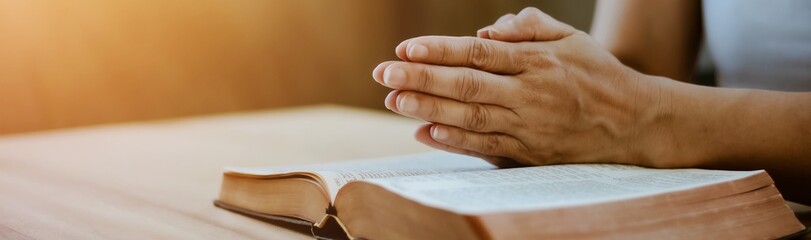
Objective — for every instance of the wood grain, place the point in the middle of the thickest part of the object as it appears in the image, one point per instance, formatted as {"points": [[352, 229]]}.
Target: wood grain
{"points": [[157, 180]]}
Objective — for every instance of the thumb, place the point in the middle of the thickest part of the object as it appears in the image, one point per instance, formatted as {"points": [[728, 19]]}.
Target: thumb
{"points": [[529, 25], [484, 33]]}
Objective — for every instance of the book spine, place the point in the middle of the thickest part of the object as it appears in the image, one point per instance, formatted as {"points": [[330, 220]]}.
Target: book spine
{"points": [[330, 227]]}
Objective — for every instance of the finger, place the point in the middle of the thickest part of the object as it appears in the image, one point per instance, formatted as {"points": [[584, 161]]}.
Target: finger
{"points": [[530, 24], [460, 83], [377, 73], [484, 143], [483, 54], [423, 135], [471, 116], [483, 33]]}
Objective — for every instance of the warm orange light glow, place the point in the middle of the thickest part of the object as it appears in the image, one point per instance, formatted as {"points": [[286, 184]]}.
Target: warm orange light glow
{"points": [[68, 63]]}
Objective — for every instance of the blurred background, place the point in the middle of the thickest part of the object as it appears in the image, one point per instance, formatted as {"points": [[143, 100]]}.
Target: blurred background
{"points": [[82, 62]]}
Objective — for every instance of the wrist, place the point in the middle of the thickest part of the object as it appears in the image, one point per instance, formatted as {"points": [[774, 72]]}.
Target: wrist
{"points": [[666, 122]]}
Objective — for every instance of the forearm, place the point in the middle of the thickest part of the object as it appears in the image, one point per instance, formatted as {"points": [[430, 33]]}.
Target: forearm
{"points": [[746, 129], [760, 129]]}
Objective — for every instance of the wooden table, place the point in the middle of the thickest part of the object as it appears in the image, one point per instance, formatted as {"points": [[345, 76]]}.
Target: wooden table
{"points": [[156, 180]]}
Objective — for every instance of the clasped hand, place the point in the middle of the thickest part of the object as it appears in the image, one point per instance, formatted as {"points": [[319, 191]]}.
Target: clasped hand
{"points": [[528, 90]]}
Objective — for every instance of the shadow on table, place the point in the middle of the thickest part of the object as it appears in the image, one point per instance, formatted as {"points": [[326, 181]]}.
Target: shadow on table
{"points": [[331, 229]]}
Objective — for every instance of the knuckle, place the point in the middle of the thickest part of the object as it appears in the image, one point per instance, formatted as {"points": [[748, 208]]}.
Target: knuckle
{"points": [[532, 11], [460, 139], [477, 118], [534, 58], [491, 145], [535, 11], [533, 16], [468, 87], [445, 50], [479, 54], [435, 111], [424, 79]]}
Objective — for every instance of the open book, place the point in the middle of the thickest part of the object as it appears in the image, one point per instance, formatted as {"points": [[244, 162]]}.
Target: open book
{"points": [[441, 195]]}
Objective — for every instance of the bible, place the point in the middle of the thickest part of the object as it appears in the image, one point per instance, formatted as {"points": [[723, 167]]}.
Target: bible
{"points": [[440, 195]]}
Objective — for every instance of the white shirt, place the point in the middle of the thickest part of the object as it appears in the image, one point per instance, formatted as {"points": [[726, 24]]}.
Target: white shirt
{"points": [[762, 44]]}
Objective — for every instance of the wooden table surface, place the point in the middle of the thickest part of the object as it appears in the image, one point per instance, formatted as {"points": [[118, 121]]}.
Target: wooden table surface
{"points": [[156, 180]]}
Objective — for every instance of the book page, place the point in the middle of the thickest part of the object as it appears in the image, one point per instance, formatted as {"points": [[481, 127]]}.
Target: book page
{"points": [[336, 175], [548, 186]]}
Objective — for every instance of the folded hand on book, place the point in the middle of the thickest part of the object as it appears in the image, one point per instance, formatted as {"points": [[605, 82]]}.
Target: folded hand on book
{"points": [[535, 91]]}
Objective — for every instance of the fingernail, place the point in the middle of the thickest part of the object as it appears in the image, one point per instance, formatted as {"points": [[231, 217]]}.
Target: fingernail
{"points": [[401, 49], [439, 134], [393, 77], [407, 104], [376, 72], [389, 100], [417, 51], [401, 45]]}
